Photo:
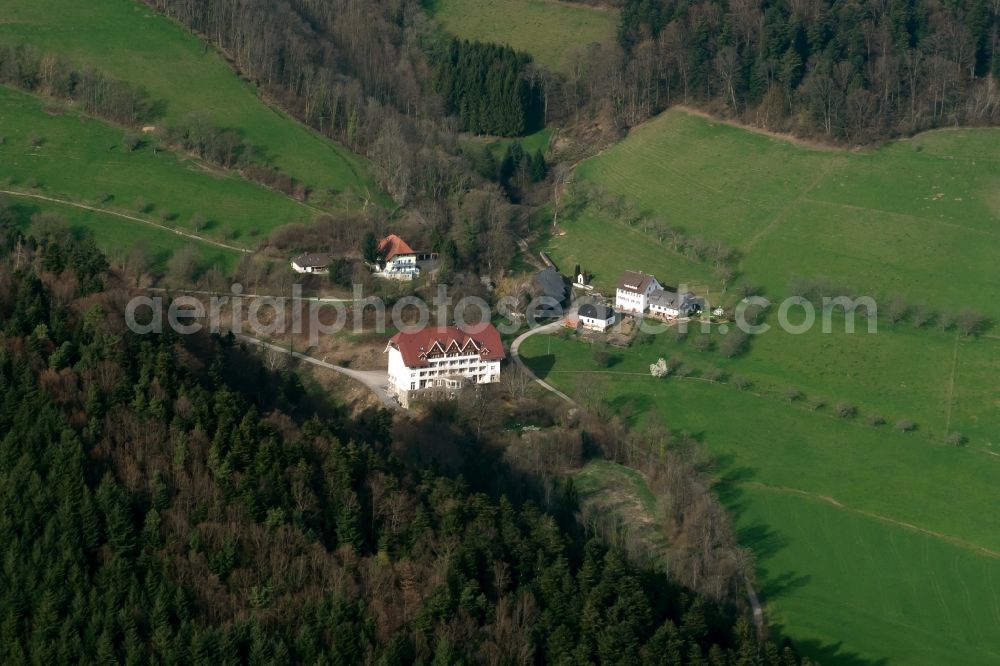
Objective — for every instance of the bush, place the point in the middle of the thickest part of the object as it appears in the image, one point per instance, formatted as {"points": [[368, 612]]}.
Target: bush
{"points": [[742, 383], [792, 394], [845, 410], [906, 425], [876, 420], [701, 343], [970, 322], [715, 375], [956, 439], [141, 205], [130, 141], [734, 343]]}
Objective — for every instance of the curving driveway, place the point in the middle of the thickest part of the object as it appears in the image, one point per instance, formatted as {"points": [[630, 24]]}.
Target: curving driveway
{"points": [[376, 381]]}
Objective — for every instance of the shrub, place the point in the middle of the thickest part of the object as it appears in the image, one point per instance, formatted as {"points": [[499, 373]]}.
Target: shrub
{"points": [[876, 420], [956, 439], [792, 394], [845, 410], [715, 374], [906, 425], [734, 343], [701, 343], [970, 322], [130, 141], [740, 382]]}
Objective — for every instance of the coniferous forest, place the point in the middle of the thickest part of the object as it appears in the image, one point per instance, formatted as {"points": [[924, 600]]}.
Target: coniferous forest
{"points": [[486, 86], [168, 500]]}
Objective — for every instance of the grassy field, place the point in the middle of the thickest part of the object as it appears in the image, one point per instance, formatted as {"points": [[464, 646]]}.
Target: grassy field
{"points": [[918, 217], [547, 29], [586, 242], [783, 467], [134, 43], [115, 235], [82, 160]]}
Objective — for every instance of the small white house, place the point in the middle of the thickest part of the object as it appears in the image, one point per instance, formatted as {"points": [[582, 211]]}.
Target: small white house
{"points": [[669, 304], [633, 292], [438, 361], [311, 263], [399, 260], [596, 317]]}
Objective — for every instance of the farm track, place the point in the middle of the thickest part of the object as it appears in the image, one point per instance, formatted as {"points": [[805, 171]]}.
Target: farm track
{"points": [[968, 545], [788, 207], [105, 211]]}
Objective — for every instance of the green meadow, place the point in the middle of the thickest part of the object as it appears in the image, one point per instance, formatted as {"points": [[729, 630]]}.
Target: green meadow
{"points": [[132, 42], [547, 29], [919, 217], [116, 236], [872, 544], [82, 160]]}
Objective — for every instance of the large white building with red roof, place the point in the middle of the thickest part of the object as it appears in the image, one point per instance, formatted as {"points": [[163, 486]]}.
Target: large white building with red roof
{"points": [[437, 361]]}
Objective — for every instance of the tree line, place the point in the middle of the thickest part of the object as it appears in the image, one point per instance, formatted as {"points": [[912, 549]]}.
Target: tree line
{"points": [[852, 71], [97, 93]]}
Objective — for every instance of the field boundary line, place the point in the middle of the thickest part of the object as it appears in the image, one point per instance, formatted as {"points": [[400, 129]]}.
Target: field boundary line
{"points": [[905, 216], [66, 202], [783, 213], [798, 142], [951, 387], [968, 545]]}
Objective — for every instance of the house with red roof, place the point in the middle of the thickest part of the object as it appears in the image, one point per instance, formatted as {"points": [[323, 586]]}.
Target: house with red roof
{"points": [[399, 261], [440, 361]]}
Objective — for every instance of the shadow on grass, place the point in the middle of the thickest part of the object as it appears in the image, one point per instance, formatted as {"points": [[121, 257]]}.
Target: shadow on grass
{"points": [[540, 365], [831, 654]]}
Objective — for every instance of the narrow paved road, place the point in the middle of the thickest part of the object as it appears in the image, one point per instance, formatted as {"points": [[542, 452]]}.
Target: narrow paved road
{"points": [[375, 381], [515, 348]]}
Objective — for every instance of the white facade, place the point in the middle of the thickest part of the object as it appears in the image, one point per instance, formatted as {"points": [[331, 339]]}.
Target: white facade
{"points": [[447, 371], [636, 301], [400, 267], [665, 311], [316, 270], [596, 324]]}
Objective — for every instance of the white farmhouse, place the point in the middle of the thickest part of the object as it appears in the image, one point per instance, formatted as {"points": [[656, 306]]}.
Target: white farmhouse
{"points": [[633, 292], [595, 317], [432, 362], [668, 303], [399, 260], [311, 263]]}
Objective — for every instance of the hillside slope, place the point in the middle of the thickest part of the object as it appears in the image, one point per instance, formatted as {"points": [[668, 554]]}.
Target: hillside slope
{"points": [[133, 43]]}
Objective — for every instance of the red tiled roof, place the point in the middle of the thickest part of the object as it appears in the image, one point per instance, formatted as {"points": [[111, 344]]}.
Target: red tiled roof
{"points": [[392, 245], [415, 345]]}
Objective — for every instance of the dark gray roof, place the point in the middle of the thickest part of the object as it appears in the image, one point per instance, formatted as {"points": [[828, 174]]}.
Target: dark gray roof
{"points": [[663, 298], [314, 260], [551, 283], [592, 311], [668, 298]]}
